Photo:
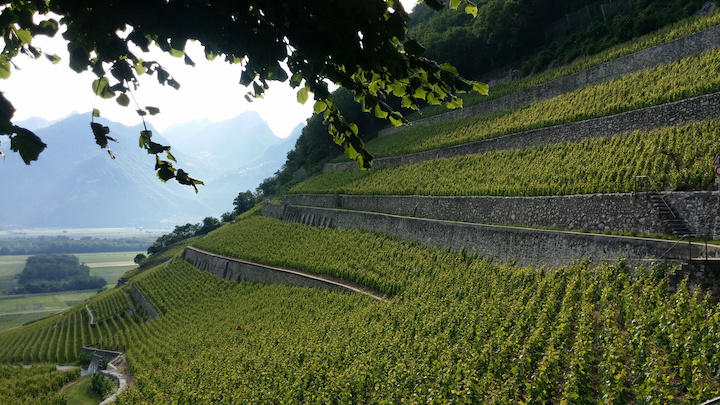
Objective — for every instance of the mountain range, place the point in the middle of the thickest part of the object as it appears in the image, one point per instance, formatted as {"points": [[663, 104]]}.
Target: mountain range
{"points": [[76, 184]]}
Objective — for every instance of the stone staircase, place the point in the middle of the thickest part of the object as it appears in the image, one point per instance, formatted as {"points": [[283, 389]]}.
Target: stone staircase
{"points": [[674, 224]]}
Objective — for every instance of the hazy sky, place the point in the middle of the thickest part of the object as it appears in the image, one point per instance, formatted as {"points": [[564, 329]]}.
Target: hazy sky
{"points": [[209, 90]]}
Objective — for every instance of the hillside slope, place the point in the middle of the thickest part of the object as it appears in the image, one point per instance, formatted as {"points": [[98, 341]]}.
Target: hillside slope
{"points": [[461, 330]]}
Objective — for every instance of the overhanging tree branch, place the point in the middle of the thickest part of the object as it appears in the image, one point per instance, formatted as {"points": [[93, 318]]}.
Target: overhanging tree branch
{"points": [[362, 45]]}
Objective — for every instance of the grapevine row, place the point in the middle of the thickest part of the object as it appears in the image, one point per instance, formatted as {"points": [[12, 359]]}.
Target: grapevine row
{"points": [[667, 34], [461, 330], [689, 77], [678, 158]]}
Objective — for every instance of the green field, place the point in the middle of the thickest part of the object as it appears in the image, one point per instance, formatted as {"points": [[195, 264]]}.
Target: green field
{"points": [[110, 266], [109, 233], [16, 310]]}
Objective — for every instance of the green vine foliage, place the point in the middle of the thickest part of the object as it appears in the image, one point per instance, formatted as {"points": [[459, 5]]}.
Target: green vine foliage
{"points": [[361, 45], [459, 329], [677, 158]]}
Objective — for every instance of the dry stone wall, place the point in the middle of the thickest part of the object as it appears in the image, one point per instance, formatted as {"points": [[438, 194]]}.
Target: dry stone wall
{"points": [[699, 42], [671, 114], [232, 269], [530, 247], [147, 306], [592, 212]]}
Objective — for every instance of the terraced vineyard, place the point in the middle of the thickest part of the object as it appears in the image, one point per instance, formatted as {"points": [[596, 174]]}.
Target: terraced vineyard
{"points": [[458, 328], [40, 383], [680, 80], [461, 330], [677, 157], [666, 34]]}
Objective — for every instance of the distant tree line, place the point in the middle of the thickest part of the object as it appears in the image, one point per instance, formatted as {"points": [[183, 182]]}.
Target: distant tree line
{"points": [[243, 202], [64, 244], [56, 272]]}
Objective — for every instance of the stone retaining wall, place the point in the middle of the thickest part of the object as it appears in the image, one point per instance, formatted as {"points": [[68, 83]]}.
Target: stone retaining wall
{"points": [[671, 114], [147, 306], [592, 212], [525, 246], [231, 269], [105, 354], [699, 42]]}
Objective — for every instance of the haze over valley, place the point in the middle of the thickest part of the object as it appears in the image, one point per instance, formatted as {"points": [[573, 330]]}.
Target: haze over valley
{"points": [[76, 184]]}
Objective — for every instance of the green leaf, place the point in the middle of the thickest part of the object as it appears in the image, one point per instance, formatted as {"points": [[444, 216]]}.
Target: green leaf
{"points": [[154, 148], [258, 89], [420, 93], [481, 88], [189, 61], [319, 107], [174, 84], [95, 112], [4, 67], [433, 99], [24, 36], [101, 87], [296, 80], [27, 144], [145, 137], [123, 100], [395, 122], [454, 4], [49, 27], [141, 113], [140, 67], [472, 10], [176, 53], [450, 68], [379, 112], [165, 170], [455, 103], [183, 178], [53, 58], [152, 110], [302, 95], [350, 151]]}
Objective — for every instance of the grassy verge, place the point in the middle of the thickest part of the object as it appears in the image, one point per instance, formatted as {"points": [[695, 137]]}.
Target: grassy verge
{"points": [[81, 393]]}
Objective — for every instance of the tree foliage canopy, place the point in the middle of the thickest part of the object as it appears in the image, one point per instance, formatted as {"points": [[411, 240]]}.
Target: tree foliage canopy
{"points": [[361, 45], [56, 272]]}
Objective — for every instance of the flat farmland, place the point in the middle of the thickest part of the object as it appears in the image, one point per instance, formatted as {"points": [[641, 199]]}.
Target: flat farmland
{"points": [[101, 233], [16, 310], [110, 266]]}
